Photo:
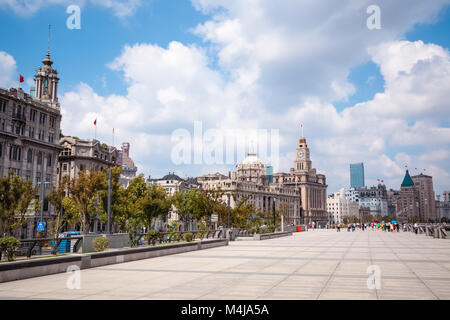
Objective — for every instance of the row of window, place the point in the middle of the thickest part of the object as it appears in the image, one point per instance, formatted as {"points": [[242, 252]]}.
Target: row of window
{"points": [[19, 112], [20, 130], [15, 154]]}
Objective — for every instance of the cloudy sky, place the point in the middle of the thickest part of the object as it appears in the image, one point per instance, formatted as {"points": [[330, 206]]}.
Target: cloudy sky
{"points": [[150, 68]]}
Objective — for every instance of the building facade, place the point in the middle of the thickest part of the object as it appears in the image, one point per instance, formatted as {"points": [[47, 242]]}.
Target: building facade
{"points": [[312, 186], [29, 137], [408, 200], [252, 182], [374, 198], [78, 155], [443, 206], [416, 201], [427, 205], [173, 183], [128, 167], [357, 175], [340, 206]]}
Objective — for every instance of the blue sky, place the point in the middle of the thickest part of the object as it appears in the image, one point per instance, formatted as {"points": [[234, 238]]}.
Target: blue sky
{"points": [[266, 66]]}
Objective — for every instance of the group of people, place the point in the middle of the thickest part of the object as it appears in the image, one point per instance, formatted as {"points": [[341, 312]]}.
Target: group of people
{"points": [[389, 226]]}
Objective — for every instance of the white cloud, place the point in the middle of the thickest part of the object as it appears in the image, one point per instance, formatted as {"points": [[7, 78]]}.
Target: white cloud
{"points": [[282, 63], [8, 72]]}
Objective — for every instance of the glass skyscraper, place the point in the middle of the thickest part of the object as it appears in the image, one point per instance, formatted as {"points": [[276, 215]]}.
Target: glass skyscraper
{"points": [[357, 175]]}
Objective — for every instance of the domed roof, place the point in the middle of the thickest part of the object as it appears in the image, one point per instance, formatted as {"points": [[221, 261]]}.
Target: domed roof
{"points": [[171, 176], [252, 159]]}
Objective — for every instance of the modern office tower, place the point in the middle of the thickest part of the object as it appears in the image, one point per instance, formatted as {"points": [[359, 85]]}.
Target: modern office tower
{"points": [[357, 175]]}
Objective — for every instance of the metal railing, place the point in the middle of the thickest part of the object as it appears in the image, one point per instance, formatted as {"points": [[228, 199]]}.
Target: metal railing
{"points": [[167, 237], [40, 242], [435, 230]]}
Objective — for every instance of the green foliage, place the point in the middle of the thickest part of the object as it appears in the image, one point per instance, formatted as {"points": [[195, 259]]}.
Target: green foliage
{"points": [[202, 230], [154, 204], [100, 244], [188, 236], [133, 227], [174, 232], [83, 192], [152, 236], [16, 199], [9, 245]]}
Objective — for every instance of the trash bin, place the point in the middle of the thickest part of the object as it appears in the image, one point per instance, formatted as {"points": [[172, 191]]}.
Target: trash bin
{"points": [[299, 228]]}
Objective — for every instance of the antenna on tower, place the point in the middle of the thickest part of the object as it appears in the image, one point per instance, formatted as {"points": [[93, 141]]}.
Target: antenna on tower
{"points": [[48, 44]]}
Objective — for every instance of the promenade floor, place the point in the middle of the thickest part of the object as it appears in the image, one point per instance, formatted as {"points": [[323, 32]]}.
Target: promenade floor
{"points": [[317, 264]]}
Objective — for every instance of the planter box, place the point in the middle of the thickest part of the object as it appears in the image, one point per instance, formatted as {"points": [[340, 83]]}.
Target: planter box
{"points": [[271, 235], [17, 270]]}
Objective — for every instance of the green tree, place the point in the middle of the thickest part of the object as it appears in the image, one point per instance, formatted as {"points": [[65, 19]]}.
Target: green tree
{"points": [[83, 191], [154, 204], [16, 199]]}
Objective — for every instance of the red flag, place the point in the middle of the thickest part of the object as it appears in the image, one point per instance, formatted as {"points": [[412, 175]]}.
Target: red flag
{"points": [[236, 166], [21, 79], [95, 122]]}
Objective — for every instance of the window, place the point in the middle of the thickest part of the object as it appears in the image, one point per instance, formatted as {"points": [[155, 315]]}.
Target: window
{"points": [[51, 137], [32, 115], [82, 167], [49, 160], [1, 150], [38, 177], [14, 153], [3, 104], [65, 167], [31, 132], [52, 122], [42, 118], [39, 158], [29, 156]]}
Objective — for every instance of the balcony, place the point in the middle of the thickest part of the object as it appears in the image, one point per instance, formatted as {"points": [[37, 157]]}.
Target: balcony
{"points": [[19, 117]]}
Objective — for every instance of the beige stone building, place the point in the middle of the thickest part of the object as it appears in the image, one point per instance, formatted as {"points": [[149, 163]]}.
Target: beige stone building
{"points": [[251, 180], [29, 137], [312, 185], [77, 155]]}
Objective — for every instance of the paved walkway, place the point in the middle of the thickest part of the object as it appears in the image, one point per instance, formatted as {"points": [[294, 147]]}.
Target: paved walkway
{"points": [[319, 264]]}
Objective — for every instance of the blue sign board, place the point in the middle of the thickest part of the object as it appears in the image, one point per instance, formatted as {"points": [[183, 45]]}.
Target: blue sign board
{"points": [[40, 226]]}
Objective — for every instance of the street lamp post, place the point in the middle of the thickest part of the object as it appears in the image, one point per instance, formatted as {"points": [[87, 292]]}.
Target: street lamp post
{"points": [[229, 211], [108, 225], [42, 186]]}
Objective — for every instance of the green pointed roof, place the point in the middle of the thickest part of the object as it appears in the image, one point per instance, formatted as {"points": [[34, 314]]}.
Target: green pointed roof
{"points": [[407, 181]]}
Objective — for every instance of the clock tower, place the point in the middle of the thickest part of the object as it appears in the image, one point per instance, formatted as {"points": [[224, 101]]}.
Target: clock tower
{"points": [[302, 161]]}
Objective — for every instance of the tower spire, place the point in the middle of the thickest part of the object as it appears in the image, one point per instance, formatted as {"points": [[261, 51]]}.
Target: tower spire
{"points": [[48, 44]]}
